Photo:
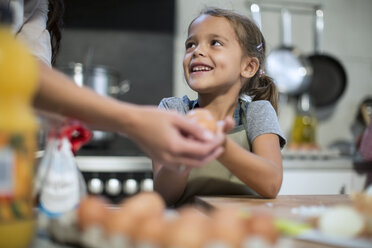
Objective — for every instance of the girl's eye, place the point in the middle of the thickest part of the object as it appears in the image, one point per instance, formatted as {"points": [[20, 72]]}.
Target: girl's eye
{"points": [[216, 43], [189, 45]]}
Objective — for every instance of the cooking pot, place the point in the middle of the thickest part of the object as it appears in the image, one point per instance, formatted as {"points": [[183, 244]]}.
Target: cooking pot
{"points": [[103, 80], [289, 68], [329, 76]]}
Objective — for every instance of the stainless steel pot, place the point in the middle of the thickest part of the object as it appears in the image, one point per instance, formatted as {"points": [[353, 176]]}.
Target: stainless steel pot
{"points": [[103, 80]]}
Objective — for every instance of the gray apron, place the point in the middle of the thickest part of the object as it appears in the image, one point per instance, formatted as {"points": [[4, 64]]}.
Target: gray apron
{"points": [[214, 178]]}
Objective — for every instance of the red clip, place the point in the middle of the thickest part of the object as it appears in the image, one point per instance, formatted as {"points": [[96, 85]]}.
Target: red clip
{"points": [[77, 134]]}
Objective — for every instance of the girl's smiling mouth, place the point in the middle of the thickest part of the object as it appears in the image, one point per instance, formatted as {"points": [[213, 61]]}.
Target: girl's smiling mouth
{"points": [[198, 67]]}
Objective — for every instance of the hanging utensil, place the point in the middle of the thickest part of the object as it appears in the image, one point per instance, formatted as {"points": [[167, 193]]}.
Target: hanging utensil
{"points": [[329, 76], [290, 69]]}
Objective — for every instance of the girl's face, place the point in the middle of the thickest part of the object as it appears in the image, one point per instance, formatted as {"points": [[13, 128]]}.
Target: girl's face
{"points": [[213, 61]]}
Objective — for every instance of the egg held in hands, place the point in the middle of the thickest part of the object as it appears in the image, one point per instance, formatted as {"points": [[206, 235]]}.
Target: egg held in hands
{"points": [[204, 118]]}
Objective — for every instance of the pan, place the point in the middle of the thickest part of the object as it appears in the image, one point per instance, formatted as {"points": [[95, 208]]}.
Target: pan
{"points": [[289, 68], [329, 76]]}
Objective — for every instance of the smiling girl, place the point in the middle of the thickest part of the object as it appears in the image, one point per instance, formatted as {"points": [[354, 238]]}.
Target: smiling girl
{"points": [[223, 63]]}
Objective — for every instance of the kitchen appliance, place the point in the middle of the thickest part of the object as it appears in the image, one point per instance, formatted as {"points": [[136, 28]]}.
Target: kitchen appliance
{"points": [[116, 177], [329, 76], [103, 80]]}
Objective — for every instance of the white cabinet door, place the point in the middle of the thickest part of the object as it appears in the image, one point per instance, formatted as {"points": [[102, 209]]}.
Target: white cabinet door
{"points": [[316, 182]]}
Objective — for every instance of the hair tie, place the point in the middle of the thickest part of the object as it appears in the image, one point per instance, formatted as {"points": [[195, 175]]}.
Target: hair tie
{"points": [[259, 47], [260, 73]]}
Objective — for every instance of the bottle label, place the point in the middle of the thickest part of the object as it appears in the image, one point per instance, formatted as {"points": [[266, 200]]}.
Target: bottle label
{"points": [[6, 171], [16, 171]]}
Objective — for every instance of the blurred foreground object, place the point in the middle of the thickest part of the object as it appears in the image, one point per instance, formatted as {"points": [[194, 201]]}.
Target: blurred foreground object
{"points": [[18, 83]]}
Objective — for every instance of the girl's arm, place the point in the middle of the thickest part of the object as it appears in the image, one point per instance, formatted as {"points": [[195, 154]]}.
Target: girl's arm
{"points": [[169, 183], [260, 169]]}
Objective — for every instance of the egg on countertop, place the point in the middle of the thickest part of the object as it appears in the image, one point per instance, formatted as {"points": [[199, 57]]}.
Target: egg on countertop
{"points": [[144, 205], [119, 222], [131, 212], [189, 230], [227, 227], [151, 232], [262, 225], [92, 211]]}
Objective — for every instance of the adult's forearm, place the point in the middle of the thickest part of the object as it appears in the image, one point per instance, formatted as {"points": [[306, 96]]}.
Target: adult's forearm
{"points": [[58, 94]]}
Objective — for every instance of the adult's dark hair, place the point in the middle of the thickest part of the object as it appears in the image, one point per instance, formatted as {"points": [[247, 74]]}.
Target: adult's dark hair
{"points": [[54, 25], [250, 38]]}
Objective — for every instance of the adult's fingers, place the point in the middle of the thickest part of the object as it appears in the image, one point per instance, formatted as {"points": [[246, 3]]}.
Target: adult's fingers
{"points": [[197, 149], [193, 162], [192, 129]]}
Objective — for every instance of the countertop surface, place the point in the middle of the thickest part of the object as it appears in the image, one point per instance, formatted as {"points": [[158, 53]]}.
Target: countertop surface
{"points": [[281, 202]]}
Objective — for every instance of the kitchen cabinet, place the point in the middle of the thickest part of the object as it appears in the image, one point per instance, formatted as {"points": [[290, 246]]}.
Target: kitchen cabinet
{"points": [[321, 177], [319, 182]]}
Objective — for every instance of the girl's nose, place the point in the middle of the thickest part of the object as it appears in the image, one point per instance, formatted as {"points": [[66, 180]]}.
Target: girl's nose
{"points": [[199, 51]]}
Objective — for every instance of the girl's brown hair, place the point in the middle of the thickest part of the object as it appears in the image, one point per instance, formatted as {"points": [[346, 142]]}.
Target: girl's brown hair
{"points": [[250, 38], [54, 25]]}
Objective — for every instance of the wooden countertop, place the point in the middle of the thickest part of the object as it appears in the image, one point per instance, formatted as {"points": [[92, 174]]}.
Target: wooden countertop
{"points": [[279, 205], [282, 206]]}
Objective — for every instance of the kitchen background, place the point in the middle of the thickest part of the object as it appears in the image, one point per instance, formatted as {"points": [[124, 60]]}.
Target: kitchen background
{"points": [[144, 41], [135, 38], [347, 37]]}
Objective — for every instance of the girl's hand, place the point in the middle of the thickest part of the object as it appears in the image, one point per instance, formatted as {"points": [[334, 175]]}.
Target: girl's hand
{"points": [[226, 125]]}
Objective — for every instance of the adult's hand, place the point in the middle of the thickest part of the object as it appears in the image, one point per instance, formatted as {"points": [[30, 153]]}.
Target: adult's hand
{"points": [[172, 140], [167, 137]]}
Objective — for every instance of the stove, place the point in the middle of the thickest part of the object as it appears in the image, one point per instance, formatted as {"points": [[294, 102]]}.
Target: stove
{"points": [[116, 177]]}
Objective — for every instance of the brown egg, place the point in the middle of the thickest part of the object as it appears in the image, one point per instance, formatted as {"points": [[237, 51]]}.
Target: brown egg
{"points": [[227, 226], [190, 230], [144, 205], [204, 118], [119, 222], [262, 225], [92, 211], [151, 231]]}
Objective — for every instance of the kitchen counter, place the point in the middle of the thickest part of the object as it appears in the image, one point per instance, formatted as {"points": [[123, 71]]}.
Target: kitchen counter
{"points": [[284, 206], [281, 207]]}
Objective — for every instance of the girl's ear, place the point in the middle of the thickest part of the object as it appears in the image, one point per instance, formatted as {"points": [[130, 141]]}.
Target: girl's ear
{"points": [[250, 66]]}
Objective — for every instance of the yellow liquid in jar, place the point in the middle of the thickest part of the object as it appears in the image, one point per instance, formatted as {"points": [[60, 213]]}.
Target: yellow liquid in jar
{"points": [[304, 130], [18, 82]]}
